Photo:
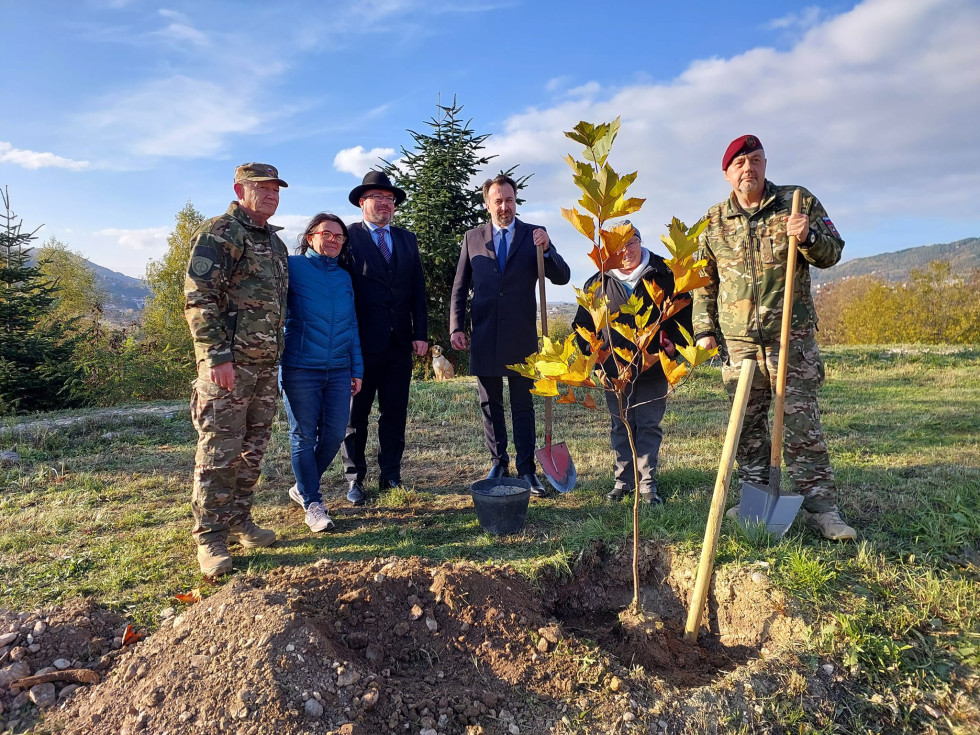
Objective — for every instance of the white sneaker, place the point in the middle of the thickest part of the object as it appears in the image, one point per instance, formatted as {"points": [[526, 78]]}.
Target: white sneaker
{"points": [[317, 518], [296, 497]]}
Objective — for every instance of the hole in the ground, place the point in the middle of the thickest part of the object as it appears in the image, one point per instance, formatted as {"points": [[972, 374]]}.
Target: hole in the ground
{"points": [[744, 616]]}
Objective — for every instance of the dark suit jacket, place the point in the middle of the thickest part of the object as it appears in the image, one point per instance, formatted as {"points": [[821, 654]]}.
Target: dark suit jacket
{"points": [[503, 310], [389, 298]]}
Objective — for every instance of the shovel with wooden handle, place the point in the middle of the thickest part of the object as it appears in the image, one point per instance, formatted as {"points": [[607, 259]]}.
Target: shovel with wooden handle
{"points": [[555, 460], [716, 514], [764, 504]]}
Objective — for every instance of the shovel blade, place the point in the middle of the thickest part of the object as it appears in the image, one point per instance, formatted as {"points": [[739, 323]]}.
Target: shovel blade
{"points": [[557, 465], [761, 505]]}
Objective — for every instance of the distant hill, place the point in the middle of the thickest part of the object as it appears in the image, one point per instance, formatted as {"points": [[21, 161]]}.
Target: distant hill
{"points": [[126, 294], [963, 255]]}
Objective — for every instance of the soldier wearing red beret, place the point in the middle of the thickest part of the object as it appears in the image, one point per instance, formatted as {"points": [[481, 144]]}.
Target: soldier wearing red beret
{"points": [[745, 246]]}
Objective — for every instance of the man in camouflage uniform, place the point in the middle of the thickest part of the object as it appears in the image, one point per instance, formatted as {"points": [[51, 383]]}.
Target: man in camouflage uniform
{"points": [[235, 292], [746, 245]]}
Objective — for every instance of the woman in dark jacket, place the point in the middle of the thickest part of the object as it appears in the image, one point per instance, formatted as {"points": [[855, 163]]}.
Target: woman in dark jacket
{"points": [[321, 365], [646, 398]]}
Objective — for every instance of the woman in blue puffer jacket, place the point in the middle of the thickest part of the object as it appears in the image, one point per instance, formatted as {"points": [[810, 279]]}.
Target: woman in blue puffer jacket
{"points": [[321, 365]]}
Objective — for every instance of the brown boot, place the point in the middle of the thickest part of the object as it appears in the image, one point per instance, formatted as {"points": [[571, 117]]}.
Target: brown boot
{"points": [[830, 525], [249, 535], [214, 558]]}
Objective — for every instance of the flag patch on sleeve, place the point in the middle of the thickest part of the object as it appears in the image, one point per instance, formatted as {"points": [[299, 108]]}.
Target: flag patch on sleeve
{"points": [[830, 226]]}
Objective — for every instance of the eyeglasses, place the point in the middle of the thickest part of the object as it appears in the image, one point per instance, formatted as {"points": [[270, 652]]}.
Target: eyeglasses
{"points": [[380, 198], [331, 236]]}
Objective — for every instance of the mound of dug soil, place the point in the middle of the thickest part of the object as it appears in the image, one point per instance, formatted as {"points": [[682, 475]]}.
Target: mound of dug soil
{"points": [[46, 655], [398, 646]]}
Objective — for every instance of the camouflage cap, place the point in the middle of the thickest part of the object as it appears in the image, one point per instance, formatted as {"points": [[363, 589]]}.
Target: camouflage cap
{"points": [[742, 144], [258, 172]]}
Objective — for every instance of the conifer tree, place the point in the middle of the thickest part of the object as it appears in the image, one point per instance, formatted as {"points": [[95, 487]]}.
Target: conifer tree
{"points": [[35, 352]]}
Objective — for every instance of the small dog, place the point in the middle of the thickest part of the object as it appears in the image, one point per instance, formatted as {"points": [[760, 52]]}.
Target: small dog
{"points": [[440, 365]]}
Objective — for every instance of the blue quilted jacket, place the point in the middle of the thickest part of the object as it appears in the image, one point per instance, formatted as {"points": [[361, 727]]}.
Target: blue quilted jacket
{"points": [[321, 327]]}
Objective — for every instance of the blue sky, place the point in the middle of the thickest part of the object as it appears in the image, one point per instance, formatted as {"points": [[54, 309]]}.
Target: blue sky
{"points": [[118, 112]]}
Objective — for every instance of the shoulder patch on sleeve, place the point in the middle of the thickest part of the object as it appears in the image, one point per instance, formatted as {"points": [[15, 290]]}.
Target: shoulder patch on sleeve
{"points": [[200, 265], [203, 259], [830, 226]]}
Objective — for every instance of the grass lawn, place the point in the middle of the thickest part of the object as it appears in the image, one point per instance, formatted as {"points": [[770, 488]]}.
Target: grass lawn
{"points": [[101, 509]]}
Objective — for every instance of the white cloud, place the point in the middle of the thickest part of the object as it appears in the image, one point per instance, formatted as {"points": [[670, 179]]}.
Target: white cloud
{"points": [[293, 225], [124, 250], [358, 161], [150, 239], [177, 117], [34, 159], [874, 110], [183, 33], [802, 20]]}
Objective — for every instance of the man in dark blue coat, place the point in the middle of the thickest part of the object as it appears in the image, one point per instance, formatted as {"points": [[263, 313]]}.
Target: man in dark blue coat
{"points": [[499, 261], [389, 297]]}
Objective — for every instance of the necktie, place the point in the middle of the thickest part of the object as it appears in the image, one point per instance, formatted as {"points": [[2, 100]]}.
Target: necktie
{"points": [[502, 251], [383, 245]]}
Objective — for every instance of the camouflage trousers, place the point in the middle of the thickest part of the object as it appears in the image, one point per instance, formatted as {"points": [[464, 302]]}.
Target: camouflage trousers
{"points": [[233, 429], [807, 461]]}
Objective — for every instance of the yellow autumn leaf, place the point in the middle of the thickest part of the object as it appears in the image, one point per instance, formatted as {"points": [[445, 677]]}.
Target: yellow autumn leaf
{"points": [[567, 398], [525, 369], [649, 360], [548, 349], [645, 337], [626, 330], [590, 337], [673, 371], [696, 355], [624, 353], [569, 349], [580, 168], [657, 294], [687, 274], [550, 368], [682, 240], [622, 207], [673, 306], [581, 222], [545, 387], [633, 305]]}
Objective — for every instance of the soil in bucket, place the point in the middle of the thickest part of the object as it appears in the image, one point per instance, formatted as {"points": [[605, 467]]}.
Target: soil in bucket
{"points": [[501, 504]]}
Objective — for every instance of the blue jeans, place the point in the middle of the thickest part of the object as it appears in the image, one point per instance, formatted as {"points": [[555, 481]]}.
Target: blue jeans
{"points": [[318, 405]]}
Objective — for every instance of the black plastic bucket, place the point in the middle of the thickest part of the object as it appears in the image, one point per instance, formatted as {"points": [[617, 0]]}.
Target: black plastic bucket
{"points": [[501, 504]]}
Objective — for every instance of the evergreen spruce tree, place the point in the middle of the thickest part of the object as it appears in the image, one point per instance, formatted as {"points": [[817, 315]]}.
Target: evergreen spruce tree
{"points": [[35, 352], [442, 203]]}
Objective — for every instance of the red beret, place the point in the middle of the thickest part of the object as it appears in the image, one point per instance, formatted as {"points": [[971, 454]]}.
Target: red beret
{"points": [[742, 144]]}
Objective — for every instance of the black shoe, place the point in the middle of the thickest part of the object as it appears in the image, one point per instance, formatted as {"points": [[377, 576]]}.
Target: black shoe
{"points": [[615, 495], [651, 498], [537, 489], [497, 471], [356, 494], [384, 484]]}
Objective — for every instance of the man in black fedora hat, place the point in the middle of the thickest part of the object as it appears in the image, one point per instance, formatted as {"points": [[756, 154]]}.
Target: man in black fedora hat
{"points": [[389, 297]]}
